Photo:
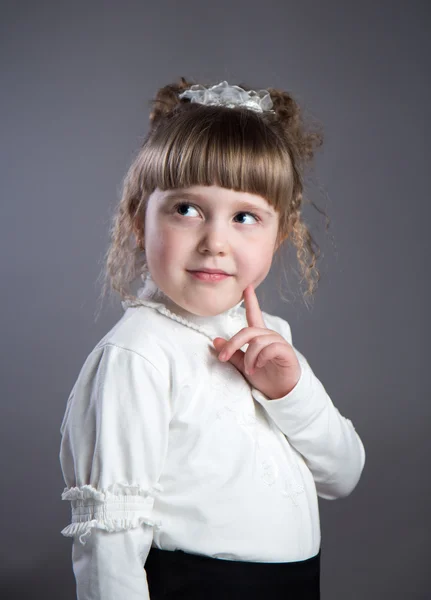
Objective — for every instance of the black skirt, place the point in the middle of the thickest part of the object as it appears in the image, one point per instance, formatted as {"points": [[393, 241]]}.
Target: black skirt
{"points": [[177, 575]]}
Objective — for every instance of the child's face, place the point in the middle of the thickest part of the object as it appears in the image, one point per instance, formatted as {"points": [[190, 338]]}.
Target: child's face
{"points": [[212, 228]]}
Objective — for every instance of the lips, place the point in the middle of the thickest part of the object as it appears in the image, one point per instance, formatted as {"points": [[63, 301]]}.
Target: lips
{"points": [[209, 277], [213, 271]]}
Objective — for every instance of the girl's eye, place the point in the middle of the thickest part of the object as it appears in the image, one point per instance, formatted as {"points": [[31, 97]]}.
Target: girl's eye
{"points": [[181, 206], [186, 204]]}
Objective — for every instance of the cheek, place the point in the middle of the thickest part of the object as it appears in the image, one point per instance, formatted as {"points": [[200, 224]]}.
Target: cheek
{"points": [[255, 257], [167, 245]]}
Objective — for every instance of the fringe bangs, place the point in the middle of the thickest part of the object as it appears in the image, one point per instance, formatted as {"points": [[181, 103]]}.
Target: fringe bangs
{"points": [[231, 148]]}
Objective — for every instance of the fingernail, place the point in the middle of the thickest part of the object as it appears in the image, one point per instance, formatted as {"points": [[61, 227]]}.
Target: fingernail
{"points": [[222, 355]]}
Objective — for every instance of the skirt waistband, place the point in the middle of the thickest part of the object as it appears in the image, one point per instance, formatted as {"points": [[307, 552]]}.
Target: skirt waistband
{"points": [[169, 570]]}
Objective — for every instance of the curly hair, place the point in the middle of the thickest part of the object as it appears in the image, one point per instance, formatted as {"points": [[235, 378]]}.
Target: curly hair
{"points": [[191, 144]]}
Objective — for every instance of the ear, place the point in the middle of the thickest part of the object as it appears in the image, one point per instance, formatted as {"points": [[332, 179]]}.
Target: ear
{"points": [[139, 233]]}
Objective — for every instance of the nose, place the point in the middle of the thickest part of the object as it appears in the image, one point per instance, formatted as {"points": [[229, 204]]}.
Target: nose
{"points": [[214, 240]]}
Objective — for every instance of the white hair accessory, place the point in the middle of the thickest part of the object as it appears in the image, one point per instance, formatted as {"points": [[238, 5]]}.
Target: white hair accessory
{"points": [[230, 96]]}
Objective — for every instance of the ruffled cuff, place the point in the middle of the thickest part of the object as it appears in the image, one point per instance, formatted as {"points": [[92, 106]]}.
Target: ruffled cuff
{"points": [[118, 508]]}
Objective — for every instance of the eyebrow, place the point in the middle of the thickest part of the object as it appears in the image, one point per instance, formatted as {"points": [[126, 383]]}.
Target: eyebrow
{"points": [[176, 195]]}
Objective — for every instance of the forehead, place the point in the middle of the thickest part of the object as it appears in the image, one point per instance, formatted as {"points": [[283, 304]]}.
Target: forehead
{"points": [[220, 196]]}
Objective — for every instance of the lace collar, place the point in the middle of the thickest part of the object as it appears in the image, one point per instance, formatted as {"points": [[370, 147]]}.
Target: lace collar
{"points": [[224, 324]]}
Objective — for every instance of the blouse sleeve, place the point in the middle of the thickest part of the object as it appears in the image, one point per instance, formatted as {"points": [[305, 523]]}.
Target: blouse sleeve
{"points": [[114, 443], [328, 442]]}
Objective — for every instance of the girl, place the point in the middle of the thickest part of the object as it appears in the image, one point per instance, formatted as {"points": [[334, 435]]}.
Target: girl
{"points": [[196, 438]]}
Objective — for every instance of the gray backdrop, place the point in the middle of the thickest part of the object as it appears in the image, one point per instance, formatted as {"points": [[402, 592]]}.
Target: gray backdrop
{"points": [[76, 80]]}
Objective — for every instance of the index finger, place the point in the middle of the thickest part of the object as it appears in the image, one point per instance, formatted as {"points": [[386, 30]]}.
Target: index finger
{"points": [[252, 308]]}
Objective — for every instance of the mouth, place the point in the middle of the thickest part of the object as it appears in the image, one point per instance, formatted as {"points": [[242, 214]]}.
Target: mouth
{"points": [[205, 276], [210, 271]]}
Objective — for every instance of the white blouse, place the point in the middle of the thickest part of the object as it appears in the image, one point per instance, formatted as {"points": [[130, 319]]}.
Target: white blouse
{"points": [[164, 445]]}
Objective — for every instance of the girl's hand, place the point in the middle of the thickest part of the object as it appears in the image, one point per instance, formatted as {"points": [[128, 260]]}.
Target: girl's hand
{"points": [[269, 363]]}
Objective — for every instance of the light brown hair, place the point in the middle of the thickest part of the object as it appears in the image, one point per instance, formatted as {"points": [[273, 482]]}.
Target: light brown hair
{"points": [[193, 144]]}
